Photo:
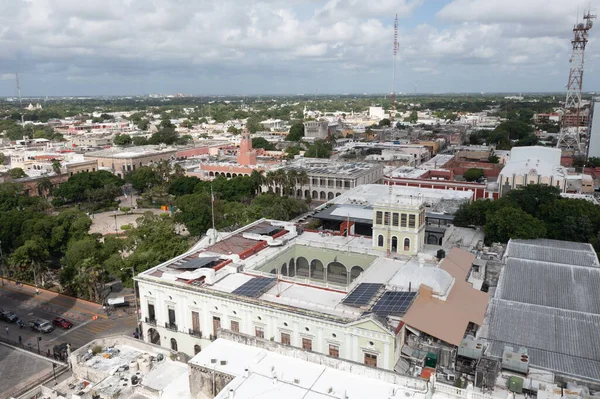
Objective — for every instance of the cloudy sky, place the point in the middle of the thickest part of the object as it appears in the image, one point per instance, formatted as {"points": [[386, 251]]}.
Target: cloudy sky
{"points": [[104, 47]]}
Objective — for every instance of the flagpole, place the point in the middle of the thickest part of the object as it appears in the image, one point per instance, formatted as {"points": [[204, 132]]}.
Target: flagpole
{"points": [[212, 207]]}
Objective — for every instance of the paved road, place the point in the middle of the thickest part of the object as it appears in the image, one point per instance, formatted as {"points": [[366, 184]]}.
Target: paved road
{"points": [[20, 369], [48, 305]]}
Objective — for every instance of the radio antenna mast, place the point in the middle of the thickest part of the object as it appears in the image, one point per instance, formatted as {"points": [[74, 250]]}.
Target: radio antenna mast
{"points": [[20, 100]]}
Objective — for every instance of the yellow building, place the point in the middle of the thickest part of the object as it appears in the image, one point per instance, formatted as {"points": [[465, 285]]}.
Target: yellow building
{"points": [[399, 225]]}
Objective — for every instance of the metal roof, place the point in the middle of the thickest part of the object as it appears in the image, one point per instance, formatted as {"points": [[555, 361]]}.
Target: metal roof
{"points": [[548, 284], [547, 301], [556, 339], [570, 253]]}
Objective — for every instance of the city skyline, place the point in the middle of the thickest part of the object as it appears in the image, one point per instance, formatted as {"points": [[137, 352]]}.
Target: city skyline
{"points": [[278, 47]]}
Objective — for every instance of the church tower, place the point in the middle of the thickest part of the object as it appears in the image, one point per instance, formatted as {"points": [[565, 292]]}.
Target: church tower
{"points": [[246, 155]]}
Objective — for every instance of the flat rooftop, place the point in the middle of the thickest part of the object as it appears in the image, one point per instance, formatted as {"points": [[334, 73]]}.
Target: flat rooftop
{"points": [[126, 368], [274, 376], [130, 152], [325, 167], [435, 200], [246, 265]]}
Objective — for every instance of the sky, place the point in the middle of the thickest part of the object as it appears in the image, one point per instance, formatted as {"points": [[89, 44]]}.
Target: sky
{"points": [[246, 47]]}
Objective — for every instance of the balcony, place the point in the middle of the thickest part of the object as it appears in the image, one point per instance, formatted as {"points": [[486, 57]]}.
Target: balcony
{"points": [[171, 326], [151, 322], [195, 333]]}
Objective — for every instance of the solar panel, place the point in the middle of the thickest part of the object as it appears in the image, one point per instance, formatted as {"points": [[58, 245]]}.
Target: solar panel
{"points": [[255, 287], [196, 263], [362, 294], [394, 302]]}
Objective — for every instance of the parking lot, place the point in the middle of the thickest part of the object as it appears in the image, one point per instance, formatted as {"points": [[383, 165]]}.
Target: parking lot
{"points": [[28, 305]]}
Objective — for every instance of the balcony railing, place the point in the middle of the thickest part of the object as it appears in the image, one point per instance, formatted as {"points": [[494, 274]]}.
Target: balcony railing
{"points": [[195, 333], [152, 322], [171, 326]]}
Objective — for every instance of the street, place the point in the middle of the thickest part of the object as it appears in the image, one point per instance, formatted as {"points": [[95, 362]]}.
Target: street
{"points": [[47, 305]]}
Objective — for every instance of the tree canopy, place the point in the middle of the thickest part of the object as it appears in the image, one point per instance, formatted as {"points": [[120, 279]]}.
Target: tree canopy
{"points": [[296, 132]]}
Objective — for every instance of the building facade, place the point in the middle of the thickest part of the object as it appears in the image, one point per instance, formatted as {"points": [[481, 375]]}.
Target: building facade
{"points": [[121, 161], [399, 227]]}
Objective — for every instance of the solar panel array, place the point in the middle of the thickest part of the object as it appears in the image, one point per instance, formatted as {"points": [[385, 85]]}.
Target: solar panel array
{"points": [[362, 294], [255, 287], [394, 302]]}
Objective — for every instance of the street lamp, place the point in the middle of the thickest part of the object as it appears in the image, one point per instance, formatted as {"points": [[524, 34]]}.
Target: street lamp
{"points": [[137, 315]]}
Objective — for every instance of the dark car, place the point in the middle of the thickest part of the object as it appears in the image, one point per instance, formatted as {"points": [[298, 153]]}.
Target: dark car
{"points": [[60, 322], [61, 351], [9, 316]]}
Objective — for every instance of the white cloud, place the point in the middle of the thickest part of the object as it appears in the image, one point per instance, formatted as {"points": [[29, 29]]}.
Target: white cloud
{"points": [[228, 45]]}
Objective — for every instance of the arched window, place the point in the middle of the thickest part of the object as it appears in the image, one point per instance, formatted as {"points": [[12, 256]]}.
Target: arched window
{"points": [[394, 244], [197, 349], [322, 195], [315, 195], [380, 241], [284, 270], [316, 270], [299, 193], [355, 272], [173, 344], [337, 273], [292, 268], [407, 244], [273, 271], [302, 267], [306, 193], [330, 196]]}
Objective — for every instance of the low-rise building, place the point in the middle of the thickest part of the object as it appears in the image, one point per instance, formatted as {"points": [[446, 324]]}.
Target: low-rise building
{"points": [[121, 161], [328, 179]]}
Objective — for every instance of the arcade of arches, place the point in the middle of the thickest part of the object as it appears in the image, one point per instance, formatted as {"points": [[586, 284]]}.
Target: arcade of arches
{"points": [[334, 272]]}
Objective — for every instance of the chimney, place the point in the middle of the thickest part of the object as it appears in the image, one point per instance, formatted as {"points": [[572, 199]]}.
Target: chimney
{"points": [[231, 393], [246, 372]]}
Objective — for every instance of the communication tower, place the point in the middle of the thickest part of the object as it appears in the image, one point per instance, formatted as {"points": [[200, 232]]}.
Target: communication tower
{"points": [[393, 97], [569, 137]]}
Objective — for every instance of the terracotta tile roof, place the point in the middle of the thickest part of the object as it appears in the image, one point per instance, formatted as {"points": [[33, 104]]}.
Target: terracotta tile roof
{"points": [[448, 320]]}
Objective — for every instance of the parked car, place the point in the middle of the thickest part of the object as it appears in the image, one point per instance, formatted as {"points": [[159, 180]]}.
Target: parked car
{"points": [[9, 316], [40, 325], [61, 351], [60, 322]]}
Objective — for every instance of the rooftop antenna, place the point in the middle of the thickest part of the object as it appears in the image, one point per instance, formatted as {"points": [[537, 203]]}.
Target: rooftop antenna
{"points": [[20, 100], [396, 46], [569, 137]]}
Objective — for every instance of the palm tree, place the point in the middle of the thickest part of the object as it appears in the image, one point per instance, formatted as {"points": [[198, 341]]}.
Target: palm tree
{"points": [[258, 179], [302, 179], [56, 166], [271, 180], [290, 182], [281, 179], [44, 186]]}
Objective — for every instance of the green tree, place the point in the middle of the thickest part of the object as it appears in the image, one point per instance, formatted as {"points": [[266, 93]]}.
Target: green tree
{"points": [[143, 124], [164, 136], [532, 197], [510, 222], [140, 140], [44, 186], [195, 212], [17, 173], [296, 132], [493, 159], [99, 187], [291, 151], [2, 158], [122, 139], [570, 219], [183, 185], [56, 166], [253, 124], [260, 142], [412, 118], [319, 149], [234, 130], [30, 256], [473, 174], [143, 178], [384, 122]]}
